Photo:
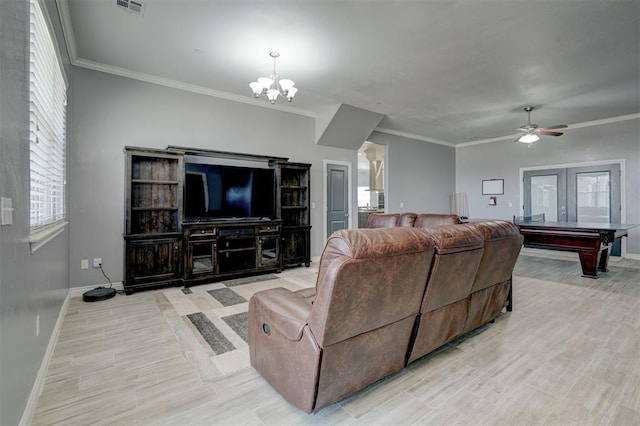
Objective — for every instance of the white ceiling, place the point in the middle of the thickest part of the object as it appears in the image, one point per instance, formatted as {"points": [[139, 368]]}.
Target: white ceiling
{"points": [[450, 71]]}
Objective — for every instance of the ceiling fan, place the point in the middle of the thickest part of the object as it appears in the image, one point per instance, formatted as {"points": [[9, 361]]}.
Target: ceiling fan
{"points": [[531, 132]]}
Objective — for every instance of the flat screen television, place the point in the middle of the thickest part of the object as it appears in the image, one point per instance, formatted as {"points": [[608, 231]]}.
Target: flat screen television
{"points": [[218, 192]]}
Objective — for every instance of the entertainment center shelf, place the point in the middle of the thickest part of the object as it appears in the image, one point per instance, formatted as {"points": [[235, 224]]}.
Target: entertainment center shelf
{"points": [[191, 219]]}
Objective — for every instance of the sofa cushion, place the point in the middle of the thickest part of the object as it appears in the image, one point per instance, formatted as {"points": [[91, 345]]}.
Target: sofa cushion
{"points": [[382, 220], [428, 220], [407, 219]]}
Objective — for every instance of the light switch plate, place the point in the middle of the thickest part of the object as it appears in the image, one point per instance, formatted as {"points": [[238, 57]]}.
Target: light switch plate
{"points": [[6, 211]]}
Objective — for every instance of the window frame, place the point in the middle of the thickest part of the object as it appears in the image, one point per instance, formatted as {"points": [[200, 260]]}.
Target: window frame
{"points": [[47, 122]]}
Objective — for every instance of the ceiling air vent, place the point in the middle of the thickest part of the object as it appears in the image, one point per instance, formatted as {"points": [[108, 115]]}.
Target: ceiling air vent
{"points": [[132, 6]]}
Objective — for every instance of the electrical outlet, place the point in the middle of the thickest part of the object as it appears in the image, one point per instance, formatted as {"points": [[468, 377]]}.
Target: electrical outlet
{"points": [[84, 264], [97, 261]]}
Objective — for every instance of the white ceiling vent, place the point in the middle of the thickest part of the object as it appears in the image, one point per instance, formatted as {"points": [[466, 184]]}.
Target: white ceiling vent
{"points": [[132, 6]]}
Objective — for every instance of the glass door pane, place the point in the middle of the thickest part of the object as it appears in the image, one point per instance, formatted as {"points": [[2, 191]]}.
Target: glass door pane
{"points": [[545, 192], [593, 197], [544, 196]]}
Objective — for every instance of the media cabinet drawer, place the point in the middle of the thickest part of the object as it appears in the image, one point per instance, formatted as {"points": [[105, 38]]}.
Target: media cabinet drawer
{"points": [[263, 229], [229, 232], [208, 231]]}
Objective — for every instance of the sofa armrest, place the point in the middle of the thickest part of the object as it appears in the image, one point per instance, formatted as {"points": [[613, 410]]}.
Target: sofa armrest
{"points": [[283, 310]]}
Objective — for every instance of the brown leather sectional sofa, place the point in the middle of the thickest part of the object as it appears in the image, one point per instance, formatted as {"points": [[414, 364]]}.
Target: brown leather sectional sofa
{"points": [[383, 298]]}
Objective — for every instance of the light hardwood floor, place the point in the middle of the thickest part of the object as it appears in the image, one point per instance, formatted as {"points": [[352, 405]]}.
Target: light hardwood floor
{"points": [[569, 354]]}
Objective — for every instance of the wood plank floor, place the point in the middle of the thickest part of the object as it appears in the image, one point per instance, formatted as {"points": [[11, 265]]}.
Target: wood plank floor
{"points": [[569, 354]]}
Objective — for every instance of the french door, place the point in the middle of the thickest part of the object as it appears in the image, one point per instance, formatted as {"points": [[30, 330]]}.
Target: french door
{"points": [[588, 194]]}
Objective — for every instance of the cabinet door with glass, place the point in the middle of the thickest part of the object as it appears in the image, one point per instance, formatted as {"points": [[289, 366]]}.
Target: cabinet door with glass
{"points": [[201, 258], [268, 251]]}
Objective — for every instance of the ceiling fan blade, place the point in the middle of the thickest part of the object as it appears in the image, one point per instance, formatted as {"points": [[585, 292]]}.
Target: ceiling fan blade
{"points": [[548, 133], [557, 126]]}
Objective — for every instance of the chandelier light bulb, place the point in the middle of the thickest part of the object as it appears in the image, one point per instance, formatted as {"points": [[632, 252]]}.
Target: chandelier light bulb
{"points": [[272, 95], [256, 88], [291, 93], [286, 84]]}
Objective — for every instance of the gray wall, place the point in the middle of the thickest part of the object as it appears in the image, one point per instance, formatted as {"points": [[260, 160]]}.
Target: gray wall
{"points": [[111, 112], [30, 284], [421, 175], [503, 160]]}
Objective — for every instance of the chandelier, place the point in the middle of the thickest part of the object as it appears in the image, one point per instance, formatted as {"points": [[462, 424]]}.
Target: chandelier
{"points": [[273, 86]]}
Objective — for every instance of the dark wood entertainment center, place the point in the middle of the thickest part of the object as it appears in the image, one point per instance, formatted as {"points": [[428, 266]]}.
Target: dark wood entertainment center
{"points": [[163, 248]]}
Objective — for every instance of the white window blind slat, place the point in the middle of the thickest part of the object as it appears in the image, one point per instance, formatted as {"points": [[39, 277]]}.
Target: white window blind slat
{"points": [[47, 131]]}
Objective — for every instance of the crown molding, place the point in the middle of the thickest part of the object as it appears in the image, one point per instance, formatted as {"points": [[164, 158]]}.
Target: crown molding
{"points": [[150, 78], [67, 29], [413, 136], [605, 121]]}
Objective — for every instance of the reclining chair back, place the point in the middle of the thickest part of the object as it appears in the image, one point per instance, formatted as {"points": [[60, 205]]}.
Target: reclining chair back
{"points": [[368, 295], [444, 306], [502, 244]]}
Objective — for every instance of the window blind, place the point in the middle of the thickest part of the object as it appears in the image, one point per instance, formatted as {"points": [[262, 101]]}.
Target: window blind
{"points": [[47, 128]]}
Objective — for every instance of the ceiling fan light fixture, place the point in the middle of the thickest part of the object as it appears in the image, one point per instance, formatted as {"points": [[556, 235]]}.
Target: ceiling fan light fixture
{"points": [[531, 131], [529, 138]]}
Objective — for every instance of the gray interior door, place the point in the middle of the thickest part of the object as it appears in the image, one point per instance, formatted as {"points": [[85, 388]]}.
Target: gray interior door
{"points": [[337, 198]]}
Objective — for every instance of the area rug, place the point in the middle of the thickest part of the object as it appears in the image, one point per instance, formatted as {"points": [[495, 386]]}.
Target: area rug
{"points": [[210, 321]]}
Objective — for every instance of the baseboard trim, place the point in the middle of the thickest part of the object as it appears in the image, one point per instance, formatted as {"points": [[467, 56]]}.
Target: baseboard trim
{"points": [[36, 390], [632, 256]]}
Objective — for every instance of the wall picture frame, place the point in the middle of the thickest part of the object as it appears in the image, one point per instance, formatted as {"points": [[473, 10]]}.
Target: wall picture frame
{"points": [[493, 187]]}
